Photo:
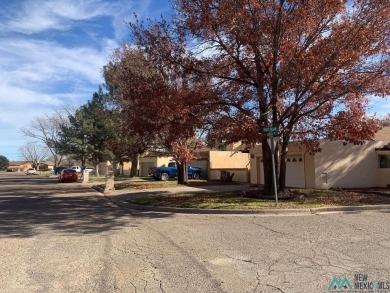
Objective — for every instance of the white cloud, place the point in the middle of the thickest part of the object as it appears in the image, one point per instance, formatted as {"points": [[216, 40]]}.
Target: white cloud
{"points": [[26, 62], [52, 52], [38, 15]]}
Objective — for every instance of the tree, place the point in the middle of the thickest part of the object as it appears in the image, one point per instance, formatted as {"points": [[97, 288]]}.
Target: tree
{"points": [[4, 163], [306, 67], [33, 152], [45, 129], [85, 137], [161, 103]]}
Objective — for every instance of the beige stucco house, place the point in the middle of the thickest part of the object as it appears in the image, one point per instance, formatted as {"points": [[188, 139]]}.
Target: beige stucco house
{"points": [[337, 165], [19, 166], [210, 160]]}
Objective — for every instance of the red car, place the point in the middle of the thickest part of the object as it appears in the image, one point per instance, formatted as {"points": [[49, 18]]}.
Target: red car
{"points": [[68, 174]]}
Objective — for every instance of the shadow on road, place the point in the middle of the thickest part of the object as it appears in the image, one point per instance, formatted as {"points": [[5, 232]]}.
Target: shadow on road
{"points": [[30, 205]]}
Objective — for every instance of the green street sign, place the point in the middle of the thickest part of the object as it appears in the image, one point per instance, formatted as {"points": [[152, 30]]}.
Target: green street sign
{"points": [[270, 130]]}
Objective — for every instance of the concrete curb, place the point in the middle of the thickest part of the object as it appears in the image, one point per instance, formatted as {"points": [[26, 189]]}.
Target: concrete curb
{"points": [[211, 211], [97, 188], [350, 209]]}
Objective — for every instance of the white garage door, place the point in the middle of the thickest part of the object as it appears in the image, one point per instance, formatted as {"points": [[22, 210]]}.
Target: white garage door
{"points": [[295, 173]]}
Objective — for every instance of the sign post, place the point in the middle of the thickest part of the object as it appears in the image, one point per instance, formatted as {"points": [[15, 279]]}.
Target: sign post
{"points": [[271, 132]]}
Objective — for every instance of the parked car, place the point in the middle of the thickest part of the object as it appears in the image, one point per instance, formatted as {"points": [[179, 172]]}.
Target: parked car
{"points": [[89, 169], [68, 174], [58, 170], [164, 173], [77, 168], [31, 171]]}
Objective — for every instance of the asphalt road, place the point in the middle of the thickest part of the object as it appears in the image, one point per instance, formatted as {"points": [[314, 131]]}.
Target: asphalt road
{"points": [[68, 238]]}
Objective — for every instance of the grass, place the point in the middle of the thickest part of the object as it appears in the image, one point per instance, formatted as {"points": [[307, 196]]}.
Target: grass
{"points": [[147, 183], [296, 199], [102, 178]]}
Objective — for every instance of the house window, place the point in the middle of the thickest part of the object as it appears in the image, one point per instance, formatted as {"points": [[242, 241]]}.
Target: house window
{"points": [[384, 161]]}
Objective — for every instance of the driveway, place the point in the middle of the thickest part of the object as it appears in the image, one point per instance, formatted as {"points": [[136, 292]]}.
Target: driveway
{"points": [[68, 238]]}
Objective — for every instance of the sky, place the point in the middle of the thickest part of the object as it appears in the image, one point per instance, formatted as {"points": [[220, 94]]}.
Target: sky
{"points": [[52, 53]]}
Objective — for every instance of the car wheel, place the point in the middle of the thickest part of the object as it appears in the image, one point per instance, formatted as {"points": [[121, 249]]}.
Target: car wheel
{"points": [[196, 175], [164, 176]]}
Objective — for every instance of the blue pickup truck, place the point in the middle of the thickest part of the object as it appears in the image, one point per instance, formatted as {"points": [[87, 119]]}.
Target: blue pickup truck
{"points": [[164, 173]]}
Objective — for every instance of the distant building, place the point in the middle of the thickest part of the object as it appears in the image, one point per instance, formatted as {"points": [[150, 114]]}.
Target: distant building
{"points": [[19, 166]]}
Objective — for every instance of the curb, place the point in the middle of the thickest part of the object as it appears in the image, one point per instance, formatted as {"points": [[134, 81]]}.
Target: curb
{"points": [[211, 211], [97, 188], [350, 209]]}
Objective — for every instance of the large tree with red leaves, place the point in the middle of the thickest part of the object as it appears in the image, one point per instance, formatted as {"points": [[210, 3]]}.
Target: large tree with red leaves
{"points": [[307, 67], [161, 103]]}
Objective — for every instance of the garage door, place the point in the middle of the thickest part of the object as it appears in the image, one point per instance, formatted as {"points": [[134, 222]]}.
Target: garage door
{"points": [[145, 168], [295, 172], [203, 164]]}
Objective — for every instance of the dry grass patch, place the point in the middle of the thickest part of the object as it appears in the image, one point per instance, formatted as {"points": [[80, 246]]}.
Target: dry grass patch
{"points": [[293, 199]]}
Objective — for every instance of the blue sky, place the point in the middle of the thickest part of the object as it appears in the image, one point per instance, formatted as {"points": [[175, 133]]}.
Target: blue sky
{"points": [[52, 52]]}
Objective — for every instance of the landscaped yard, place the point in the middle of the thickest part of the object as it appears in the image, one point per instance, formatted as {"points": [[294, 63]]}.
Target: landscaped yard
{"points": [[296, 198], [147, 183]]}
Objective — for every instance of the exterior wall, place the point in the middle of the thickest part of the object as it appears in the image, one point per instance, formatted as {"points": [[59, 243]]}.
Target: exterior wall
{"points": [[350, 166], [212, 163], [149, 162], [22, 167], [163, 161], [383, 174], [228, 159], [383, 134], [310, 178], [240, 175], [383, 177], [125, 168], [234, 162], [347, 166]]}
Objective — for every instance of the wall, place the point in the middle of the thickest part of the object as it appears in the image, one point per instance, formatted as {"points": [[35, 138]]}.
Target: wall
{"points": [[383, 174], [234, 162], [125, 168], [240, 175], [347, 166], [228, 159], [149, 162]]}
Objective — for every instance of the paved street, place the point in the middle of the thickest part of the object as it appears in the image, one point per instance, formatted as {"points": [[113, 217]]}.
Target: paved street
{"points": [[68, 238]]}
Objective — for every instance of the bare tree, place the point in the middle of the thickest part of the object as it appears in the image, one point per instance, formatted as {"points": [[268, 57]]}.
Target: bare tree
{"points": [[45, 129], [33, 152]]}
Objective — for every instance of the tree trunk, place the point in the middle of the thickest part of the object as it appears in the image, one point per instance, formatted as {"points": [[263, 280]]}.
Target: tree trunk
{"points": [[267, 167], [96, 170], [182, 173], [283, 163], [134, 165]]}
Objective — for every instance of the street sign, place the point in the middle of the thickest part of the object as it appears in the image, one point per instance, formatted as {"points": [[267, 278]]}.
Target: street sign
{"points": [[270, 131], [272, 141]]}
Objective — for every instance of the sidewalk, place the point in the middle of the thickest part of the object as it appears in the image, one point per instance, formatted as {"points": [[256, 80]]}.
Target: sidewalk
{"points": [[118, 197]]}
